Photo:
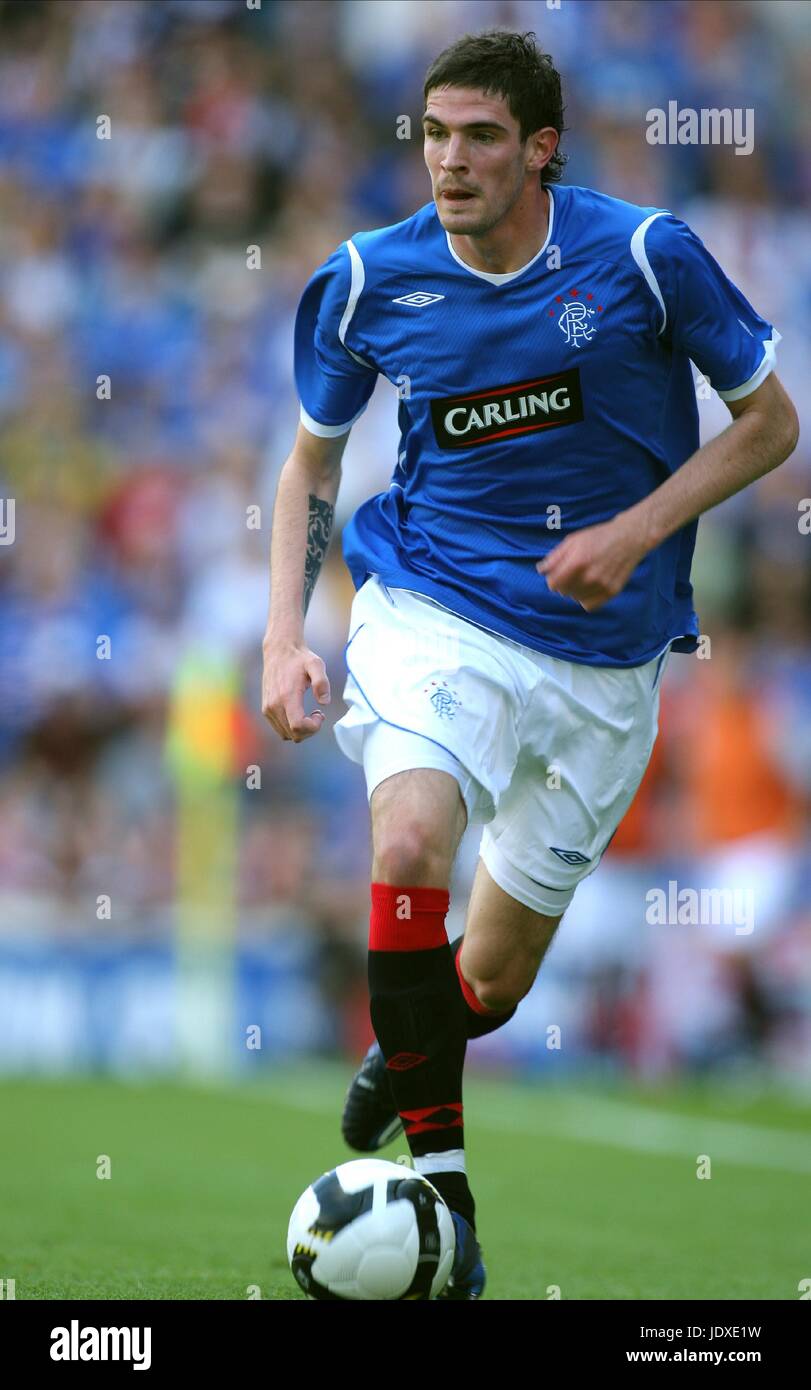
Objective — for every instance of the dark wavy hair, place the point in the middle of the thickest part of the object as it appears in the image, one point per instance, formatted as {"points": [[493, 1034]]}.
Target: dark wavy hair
{"points": [[503, 63]]}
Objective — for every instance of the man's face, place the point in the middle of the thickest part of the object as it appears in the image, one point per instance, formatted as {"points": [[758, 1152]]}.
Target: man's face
{"points": [[473, 145]]}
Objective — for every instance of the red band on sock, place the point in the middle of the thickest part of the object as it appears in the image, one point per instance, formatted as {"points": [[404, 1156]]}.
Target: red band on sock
{"points": [[430, 1117], [470, 998], [407, 919]]}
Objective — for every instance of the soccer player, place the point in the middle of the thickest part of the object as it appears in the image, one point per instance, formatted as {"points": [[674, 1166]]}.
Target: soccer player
{"points": [[523, 578]]}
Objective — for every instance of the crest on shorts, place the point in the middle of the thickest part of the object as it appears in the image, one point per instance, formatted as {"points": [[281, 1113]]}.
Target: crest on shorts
{"points": [[443, 699]]}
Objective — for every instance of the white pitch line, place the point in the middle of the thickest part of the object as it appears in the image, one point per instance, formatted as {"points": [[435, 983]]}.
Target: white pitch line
{"points": [[592, 1120], [626, 1126]]}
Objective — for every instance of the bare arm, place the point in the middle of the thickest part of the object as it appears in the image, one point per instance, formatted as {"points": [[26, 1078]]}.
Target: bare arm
{"points": [[302, 526], [596, 563]]}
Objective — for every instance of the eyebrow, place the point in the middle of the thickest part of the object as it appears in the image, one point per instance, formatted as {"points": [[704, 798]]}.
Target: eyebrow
{"points": [[472, 125]]}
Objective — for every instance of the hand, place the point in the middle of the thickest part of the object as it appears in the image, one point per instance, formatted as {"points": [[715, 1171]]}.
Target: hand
{"points": [[594, 565], [289, 667]]}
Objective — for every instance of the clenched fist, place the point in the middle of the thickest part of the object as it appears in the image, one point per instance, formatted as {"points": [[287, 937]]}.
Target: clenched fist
{"points": [[594, 565], [289, 668]]}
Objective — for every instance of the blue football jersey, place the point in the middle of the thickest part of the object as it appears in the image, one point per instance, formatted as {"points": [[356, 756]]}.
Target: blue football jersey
{"points": [[531, 404]]}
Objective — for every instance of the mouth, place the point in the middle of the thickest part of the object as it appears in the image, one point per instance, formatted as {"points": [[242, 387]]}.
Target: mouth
{"points": [[457, 195]]}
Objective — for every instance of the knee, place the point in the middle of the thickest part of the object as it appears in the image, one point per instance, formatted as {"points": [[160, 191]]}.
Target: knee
{"points": [[503, 989], [408, 853], [498, 995]]}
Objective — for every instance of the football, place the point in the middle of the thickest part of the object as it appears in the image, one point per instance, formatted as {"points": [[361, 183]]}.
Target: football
{"points": [[371, 1229]]}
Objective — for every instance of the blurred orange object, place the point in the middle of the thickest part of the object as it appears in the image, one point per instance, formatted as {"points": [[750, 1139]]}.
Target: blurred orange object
{"points": [[731, 785]]}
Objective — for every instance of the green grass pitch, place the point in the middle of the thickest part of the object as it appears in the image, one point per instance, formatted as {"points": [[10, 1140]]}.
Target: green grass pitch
{"points": [[590, 1188]]}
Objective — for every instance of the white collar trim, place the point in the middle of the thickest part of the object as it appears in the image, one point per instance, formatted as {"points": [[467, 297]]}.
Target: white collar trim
{"points": [[509, 274]]}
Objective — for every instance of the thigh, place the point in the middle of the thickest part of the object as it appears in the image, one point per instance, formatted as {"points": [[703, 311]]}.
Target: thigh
{"points": [[418, 819], [585, 751], [387, 750]]}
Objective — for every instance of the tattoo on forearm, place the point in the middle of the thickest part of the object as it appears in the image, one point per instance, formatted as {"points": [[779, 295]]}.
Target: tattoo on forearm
{"points": [[319, 528]]}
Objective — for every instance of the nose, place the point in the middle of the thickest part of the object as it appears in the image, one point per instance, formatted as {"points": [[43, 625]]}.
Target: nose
{"points": [[454, 157]]}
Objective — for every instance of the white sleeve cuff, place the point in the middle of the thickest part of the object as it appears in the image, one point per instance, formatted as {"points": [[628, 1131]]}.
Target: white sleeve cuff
{"points": [[328, 431], [767, 365]]}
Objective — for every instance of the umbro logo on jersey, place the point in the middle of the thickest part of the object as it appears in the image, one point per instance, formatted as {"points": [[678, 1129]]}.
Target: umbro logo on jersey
{"points": [[418, 299], [481, 417], [570, 856]]}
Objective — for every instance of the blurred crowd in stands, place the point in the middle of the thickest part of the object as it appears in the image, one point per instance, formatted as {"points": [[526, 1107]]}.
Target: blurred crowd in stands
{"points": [[147, 404]]}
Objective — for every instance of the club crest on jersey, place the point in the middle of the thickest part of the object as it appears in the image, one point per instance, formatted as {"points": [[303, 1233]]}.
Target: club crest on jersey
{"points": [[418, 299], [575, 319], [443, 699], [522, 407]]}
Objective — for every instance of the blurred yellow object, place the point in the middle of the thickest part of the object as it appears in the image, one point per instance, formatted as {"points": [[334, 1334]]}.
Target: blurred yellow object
{"points": [[203, 726], [202, 751]]}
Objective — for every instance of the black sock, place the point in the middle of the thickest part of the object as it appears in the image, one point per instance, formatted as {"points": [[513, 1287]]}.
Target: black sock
{"points": [[418, 1014], [453, 1188]]}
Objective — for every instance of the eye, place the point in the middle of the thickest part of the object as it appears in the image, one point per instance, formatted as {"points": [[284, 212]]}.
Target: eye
{"points": [[484, 135]]}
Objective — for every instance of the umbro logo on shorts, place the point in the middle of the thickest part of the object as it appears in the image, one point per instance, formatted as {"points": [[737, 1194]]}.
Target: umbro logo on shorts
{"points": [[523, 407], [570, 856]]}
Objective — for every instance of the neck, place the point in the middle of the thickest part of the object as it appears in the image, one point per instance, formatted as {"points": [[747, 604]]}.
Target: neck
{"points": [[513, 241]]}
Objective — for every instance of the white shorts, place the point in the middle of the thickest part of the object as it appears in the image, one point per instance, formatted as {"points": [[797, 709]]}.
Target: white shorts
{"points": [[548, 753]]}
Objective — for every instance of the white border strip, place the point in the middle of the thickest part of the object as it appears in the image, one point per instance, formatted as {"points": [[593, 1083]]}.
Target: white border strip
{"points": [[357, 282], [355, 291], [640, 256]]}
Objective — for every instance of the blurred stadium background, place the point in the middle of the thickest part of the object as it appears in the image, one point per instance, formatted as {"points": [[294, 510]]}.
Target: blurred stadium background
{"points": [[157, 899]]}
